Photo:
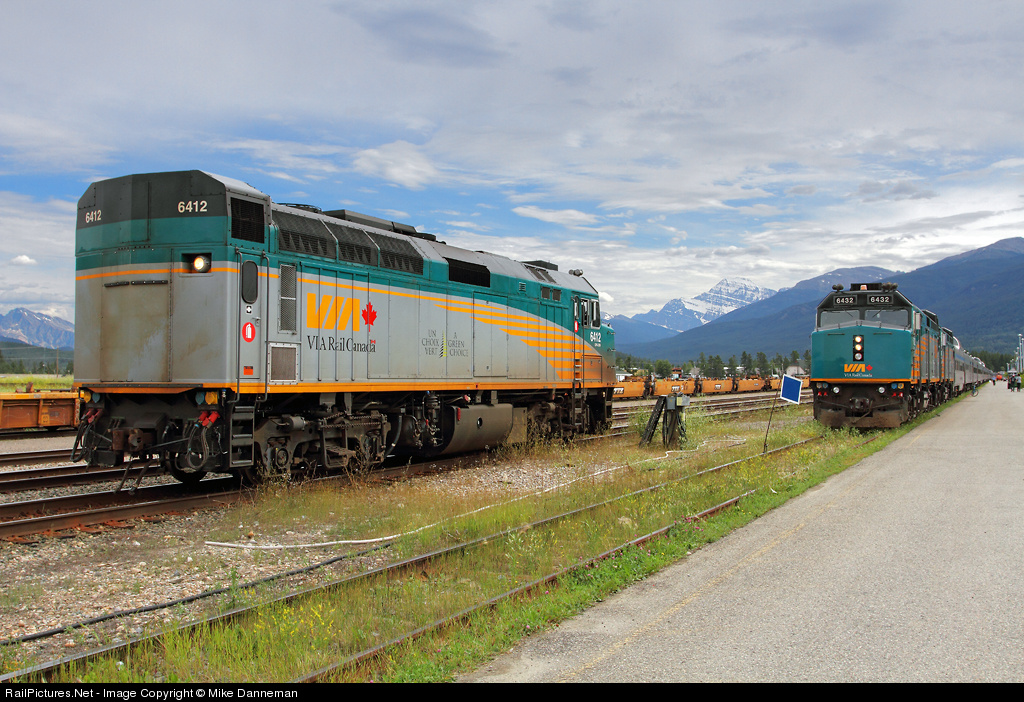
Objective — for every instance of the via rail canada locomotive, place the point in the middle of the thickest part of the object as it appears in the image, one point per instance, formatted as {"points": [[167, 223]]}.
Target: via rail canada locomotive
{"points": [[877, 360], [221, 332]]}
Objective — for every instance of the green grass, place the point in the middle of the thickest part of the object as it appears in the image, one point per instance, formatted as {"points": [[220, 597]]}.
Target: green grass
{"points": [[19, 383]]}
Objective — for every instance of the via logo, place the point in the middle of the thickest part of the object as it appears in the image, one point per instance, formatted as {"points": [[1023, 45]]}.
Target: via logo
{"points": [[336, 312], [856, 368]]}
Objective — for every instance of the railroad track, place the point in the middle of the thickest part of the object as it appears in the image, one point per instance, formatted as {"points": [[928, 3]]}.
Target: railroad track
{"points": [[714, 406], [52, 514], [66, 475], [411, 568], [63, 512], [27, 458]]}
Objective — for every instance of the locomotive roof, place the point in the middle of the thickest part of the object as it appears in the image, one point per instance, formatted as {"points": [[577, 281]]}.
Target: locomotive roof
{"points": [[861, 292], [172, 184], [430, 248]]}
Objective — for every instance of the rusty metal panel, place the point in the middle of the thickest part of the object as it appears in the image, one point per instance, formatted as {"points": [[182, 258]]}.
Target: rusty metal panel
{"points": [[38, 409], [203, 326], [135, 326]]}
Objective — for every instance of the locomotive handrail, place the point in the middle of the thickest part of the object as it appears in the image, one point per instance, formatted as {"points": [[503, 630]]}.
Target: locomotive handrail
{"points": [[266, 335]]}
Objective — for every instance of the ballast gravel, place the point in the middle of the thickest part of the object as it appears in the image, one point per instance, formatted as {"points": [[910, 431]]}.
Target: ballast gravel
{"points": [[55, 581]]}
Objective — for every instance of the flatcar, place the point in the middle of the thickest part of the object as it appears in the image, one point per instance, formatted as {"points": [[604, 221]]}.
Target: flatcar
{"points": [[221, 332], [878, 360], [49, 409]]}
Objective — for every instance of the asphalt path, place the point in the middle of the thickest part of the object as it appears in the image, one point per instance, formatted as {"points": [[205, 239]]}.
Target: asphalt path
{"points": [[908, 566]]}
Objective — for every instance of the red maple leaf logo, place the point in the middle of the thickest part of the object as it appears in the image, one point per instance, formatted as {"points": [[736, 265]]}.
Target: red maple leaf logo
{"points": [[369, 314]]}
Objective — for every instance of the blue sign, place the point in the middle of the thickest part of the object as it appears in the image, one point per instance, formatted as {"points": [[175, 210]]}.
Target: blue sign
{"points": [[791, 389]]}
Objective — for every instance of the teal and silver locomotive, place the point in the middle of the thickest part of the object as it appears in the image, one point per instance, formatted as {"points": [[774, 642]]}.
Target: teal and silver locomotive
{"points": [[877, 360], [221, 332]]}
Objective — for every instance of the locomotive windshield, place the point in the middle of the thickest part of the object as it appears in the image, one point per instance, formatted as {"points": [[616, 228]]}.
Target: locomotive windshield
{"points": [[887, 317], [836, 318]]}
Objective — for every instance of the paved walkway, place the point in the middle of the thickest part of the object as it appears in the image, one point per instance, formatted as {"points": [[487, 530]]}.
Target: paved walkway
{"points": [[906, 567]]}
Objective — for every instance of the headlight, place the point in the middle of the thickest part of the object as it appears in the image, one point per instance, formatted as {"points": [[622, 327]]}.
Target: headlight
{"points": [[201, 264]]}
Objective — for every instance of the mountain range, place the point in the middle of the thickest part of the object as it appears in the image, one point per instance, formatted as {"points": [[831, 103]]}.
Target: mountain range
{"points": [[979, 295], [682, 314], [36, 329]]}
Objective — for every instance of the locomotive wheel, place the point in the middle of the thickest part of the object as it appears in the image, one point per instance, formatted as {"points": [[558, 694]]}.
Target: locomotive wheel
{"points": [[255, 474], [186, 477], [359, 464]]}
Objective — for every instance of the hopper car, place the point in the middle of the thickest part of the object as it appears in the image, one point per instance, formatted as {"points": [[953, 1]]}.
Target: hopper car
{"points": [[219, 331]]}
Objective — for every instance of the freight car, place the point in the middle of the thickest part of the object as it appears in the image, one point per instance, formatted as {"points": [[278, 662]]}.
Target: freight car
{"points": [[878, 360], [50, 409], [222, 332], [633, 388]]}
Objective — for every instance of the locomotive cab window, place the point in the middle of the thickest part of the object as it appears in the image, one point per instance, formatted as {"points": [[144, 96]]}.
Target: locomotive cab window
{"points": [[888, 317], [835, 318], [250, 281]]}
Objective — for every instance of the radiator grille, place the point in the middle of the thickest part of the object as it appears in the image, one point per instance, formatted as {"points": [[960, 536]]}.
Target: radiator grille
{"points": [[247, 220], [283, 363]]}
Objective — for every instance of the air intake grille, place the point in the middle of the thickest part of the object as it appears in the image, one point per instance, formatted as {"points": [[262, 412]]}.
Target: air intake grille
{"points": [[540, 274], [303, 235], [398, 254], [247, 220], [469, 273], [287, 319], [283, 363], [354, 245]]}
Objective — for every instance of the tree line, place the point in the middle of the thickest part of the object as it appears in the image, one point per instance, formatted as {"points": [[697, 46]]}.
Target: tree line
{"points": [[45, 364], [716, 367]]}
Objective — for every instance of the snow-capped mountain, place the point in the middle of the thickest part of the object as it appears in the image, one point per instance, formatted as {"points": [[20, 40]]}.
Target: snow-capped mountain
{"points": [[37, 329], [728, 295]]}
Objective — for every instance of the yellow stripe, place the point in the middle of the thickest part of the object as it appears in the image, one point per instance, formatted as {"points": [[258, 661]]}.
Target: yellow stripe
{"points": [[337, 386]]}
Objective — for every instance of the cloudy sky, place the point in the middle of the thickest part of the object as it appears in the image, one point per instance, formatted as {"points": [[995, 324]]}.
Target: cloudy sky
{"points": [[658, 145]]}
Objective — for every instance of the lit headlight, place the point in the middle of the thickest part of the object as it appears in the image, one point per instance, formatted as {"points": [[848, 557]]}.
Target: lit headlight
{"points": [[201, 264]]}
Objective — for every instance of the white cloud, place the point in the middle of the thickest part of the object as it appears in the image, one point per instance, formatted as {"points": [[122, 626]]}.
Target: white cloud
{"points": [[568, 218], [399, 162], [23, 260], [775, 141]]}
